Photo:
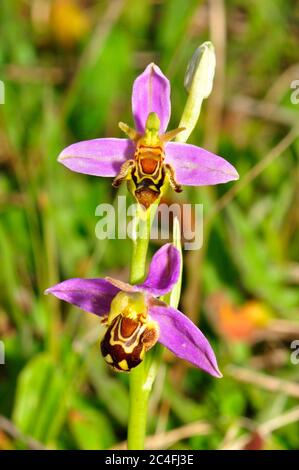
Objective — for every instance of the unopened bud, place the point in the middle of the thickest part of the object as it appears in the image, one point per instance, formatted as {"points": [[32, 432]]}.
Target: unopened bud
{"points": [[199, 83]]}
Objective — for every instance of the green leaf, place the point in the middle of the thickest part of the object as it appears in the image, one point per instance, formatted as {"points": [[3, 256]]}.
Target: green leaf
{"points": [[90, 427], [40, 402], [110, 389], [259, 273]]}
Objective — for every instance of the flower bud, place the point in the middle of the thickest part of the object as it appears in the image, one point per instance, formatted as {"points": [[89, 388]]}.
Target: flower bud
{"points": [[199, 83]]}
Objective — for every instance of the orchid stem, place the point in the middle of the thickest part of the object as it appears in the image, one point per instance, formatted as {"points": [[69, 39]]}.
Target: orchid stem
{"points": [[143, 376], [137, 408], [139, 389], [140, 247]]}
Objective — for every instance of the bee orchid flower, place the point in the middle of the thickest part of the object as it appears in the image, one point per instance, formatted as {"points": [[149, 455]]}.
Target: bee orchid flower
{"points": [[136, 319], [148, 161]]}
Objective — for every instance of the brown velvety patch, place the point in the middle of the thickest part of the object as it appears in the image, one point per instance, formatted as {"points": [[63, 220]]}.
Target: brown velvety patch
{"points": [[150, 337], [127, 327], [149, 165], [118, 354], [146, 197]]}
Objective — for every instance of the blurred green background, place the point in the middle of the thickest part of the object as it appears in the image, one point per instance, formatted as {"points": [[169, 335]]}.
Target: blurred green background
{"points": [[68, 68]]}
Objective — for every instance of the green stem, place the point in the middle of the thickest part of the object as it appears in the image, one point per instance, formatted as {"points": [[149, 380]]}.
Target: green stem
{"points": [[140, 247], [137, 408], [139, 389], [143, 376]]}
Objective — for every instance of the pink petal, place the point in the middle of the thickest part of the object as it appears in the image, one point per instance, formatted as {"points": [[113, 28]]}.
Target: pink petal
{"points": [[184, 339], [99, 157], [92, 295], [163, 272], [195, 166], [151, 93]]}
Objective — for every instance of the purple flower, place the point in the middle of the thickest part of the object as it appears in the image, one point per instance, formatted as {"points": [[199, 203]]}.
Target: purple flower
{"points": [[135, 319], [147, 160]]}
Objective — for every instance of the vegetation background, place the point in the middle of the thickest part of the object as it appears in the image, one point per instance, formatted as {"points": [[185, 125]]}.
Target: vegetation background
{"points": [[68, 68]]}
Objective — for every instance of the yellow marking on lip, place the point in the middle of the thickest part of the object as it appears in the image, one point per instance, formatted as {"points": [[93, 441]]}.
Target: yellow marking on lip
{"points": [[108, 359], [123, 365], [142, 354]]}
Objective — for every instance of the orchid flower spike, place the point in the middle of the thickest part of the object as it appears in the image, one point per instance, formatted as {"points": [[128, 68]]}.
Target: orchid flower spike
{"points": [[148, 161], [136, 319]]}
